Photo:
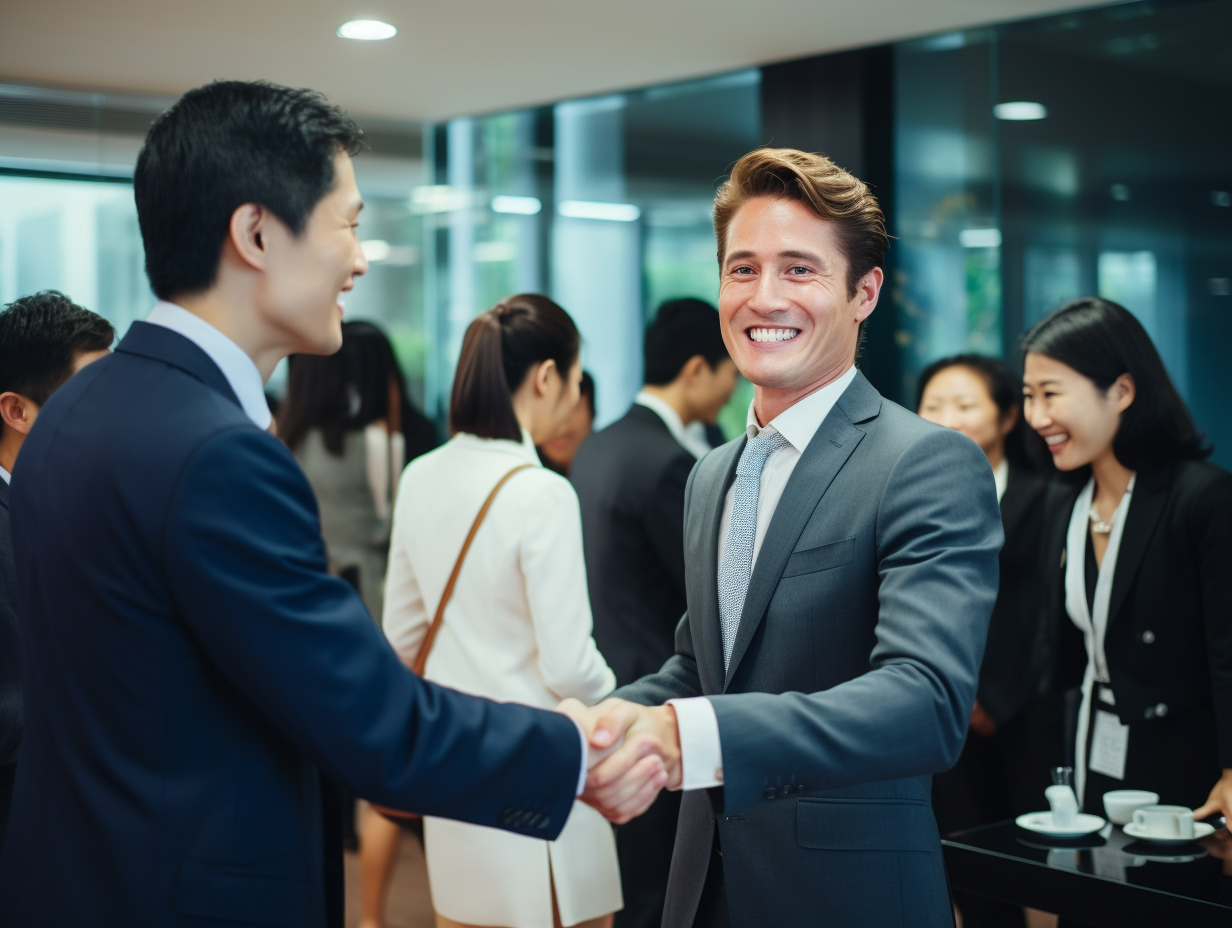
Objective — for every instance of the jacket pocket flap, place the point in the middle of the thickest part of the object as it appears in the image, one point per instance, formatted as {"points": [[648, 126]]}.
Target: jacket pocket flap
{"points": [[866, 825], [228, 892], [823, 557]]}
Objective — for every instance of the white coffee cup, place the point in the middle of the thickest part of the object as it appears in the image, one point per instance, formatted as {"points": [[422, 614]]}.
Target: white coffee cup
{"points": [[1165, 821], [1064, 805], [1119, 804]]}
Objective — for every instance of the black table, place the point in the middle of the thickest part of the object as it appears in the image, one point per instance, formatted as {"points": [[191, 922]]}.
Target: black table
{"points": [[1108, 880]]}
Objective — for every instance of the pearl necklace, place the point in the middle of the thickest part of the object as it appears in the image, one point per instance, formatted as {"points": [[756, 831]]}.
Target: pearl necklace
{"points": [[1098, 525]]}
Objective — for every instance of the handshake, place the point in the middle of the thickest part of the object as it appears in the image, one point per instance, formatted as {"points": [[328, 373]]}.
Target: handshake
{"points": [[634, 753]]}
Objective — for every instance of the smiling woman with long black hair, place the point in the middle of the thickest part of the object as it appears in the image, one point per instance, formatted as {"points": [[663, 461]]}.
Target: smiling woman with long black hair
{"points": [[1141, 543]]}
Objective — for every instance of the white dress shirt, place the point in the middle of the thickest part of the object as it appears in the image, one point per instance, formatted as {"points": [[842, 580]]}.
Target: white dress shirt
{"points": [[1001, 477], [701, 755], [239, 369], [686, 436], [5, 476]]}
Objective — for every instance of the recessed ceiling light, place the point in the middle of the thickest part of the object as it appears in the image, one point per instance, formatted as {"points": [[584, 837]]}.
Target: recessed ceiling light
{"points": [[367, 30], [519, 206], [1020, 111]]}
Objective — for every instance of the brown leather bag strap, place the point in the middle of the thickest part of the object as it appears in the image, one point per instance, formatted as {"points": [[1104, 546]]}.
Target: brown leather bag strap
{"points": [[421, 657]]}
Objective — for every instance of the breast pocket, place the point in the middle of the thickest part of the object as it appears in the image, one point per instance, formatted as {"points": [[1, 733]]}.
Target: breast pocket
{"points": [[822, 557]]}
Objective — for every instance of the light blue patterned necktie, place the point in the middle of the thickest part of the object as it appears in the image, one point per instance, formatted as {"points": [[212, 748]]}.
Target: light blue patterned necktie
{"points": [[736, 567]]}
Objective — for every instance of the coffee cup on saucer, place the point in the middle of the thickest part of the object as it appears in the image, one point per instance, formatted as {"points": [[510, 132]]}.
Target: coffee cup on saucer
{"points": [[1119, 804], [1064, 805], [1168, 822]]}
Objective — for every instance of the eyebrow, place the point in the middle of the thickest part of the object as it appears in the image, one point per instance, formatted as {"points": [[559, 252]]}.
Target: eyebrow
{"points": [[1042, 383], [790, 253]]}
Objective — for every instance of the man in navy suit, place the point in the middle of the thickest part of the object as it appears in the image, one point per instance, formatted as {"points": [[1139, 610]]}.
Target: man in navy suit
{"points": [[192, 669], [45, 338]]}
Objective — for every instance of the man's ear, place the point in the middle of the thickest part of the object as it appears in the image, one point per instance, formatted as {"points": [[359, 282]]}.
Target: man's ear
{"points": [[18, 412], [691, 368], [867, 291], [246, 234]]}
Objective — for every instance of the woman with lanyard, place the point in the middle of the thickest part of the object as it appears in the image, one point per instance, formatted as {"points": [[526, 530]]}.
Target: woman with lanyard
{"points": [[1142, 540]]}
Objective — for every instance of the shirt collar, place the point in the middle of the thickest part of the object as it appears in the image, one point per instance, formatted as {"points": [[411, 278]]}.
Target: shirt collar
{"points": [[664, 411], [5, 476], [800, 422], [236, 366], [524, 449], [1001, 477]]}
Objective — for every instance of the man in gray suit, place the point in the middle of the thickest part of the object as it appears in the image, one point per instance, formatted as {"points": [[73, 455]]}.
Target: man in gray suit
{"points": [[841, 567]]}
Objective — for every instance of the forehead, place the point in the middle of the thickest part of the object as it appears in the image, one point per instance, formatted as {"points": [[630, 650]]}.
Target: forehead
{"points": [[777, 224], [1038, 367], [957, 380]]}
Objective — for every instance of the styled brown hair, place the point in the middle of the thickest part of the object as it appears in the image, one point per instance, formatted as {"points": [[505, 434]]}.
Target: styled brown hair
{"points": [[499, 347], [821, 185]]}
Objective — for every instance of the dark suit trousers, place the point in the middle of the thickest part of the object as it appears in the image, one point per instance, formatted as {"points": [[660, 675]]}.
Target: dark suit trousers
{"points": [[7, 773], [712, 908], [644, 846]]}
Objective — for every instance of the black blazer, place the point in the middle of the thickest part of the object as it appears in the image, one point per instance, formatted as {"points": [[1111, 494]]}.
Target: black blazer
{"points": [[10, 644], [192, 669], [1010, 674], [630, 480], [1169, 637]]}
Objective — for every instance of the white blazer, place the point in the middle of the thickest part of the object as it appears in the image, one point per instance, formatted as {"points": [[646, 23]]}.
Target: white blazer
{"points": [[518, 629]]}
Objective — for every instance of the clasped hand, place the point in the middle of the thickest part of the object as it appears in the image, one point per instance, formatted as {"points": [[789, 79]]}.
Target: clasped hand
{"points": [[634, 753]]}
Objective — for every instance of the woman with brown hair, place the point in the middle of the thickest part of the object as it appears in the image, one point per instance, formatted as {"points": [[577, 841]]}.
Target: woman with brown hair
{"points": [[518, 625]]}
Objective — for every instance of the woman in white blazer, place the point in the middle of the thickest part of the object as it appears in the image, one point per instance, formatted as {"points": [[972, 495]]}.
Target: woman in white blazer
{"points": [[518, 627]]}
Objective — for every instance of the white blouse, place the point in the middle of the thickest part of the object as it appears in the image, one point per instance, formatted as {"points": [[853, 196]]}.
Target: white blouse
{"points": [[518, 629]]}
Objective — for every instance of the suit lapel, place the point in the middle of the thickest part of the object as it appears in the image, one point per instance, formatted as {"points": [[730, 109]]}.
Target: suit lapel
{"points": [[714, 476], [1016, 501], [825, 455], [1145, 507]]}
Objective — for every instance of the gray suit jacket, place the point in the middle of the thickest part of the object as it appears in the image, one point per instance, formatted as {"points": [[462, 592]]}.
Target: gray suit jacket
{"points": [[852, 677]]}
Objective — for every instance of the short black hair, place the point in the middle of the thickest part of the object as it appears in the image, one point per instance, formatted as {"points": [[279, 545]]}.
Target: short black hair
{"points": [[221, 146], [41, 336], [1102, 340], [682, 329]]}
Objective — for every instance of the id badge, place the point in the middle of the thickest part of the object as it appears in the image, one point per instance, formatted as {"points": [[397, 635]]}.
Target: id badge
{"points": [[1109, 745]]}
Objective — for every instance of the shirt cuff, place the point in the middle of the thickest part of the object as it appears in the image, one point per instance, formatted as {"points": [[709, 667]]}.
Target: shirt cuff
{"points": [[581, 783], [701, 755]]}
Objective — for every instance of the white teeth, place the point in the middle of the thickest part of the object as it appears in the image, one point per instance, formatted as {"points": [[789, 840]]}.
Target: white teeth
{"points": [[761, 334], [1056, 439]]}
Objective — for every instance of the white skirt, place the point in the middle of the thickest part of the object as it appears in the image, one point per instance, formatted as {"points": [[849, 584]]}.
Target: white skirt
{"points": [[485, 876]]}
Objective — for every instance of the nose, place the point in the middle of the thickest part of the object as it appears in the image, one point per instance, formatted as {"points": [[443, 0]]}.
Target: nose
{"points": [[1037, 417], [360, 267], [769, 295]]}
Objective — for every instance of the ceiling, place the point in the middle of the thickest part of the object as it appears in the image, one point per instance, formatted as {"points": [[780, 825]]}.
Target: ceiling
{"points": [[454, 57]]}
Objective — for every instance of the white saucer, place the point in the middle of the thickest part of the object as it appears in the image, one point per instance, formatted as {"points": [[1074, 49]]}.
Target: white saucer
{"points": [[1041, 824], [1201, 830]]}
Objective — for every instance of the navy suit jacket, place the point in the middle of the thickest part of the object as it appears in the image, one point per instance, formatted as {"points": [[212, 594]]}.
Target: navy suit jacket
{"points": [[10, 644], [191, 668], [852, 674]]}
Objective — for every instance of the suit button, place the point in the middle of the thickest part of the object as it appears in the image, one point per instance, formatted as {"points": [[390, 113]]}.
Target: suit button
{"points": [[1161, 710], [1148, 637], [784, 790], [770, 793], [799, 787]]}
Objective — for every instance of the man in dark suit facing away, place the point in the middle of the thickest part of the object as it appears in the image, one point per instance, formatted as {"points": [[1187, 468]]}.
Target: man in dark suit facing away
{"points": [[45, 338], [630, 480], [840, 570], [192, 668]]}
